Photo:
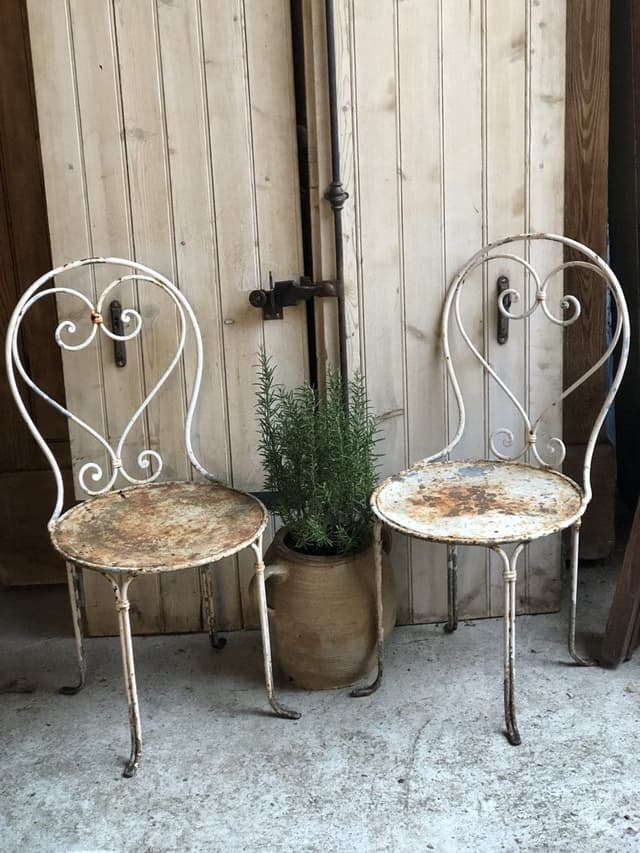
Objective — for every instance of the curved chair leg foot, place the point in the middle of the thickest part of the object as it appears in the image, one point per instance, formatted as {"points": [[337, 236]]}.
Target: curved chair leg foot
{"points": [[513, 735], [359, 692], [71, 689], [134, 759], [452, 589], [575, 546], [75, 599], [580, 661], [131, 766], [367, 690], [217, 642], [279, 709], [282, 711], [120, 584]]}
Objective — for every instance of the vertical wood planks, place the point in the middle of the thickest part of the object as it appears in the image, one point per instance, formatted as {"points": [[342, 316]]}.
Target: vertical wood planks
{"points": [[23, 237], [63, 168], [381, 262], [229, 129], [277, 210], [588, 88], [106, 194], [194, 246], [348, 141], [184, 125], [145, 132], [586, 176], [443, 109], [25, 251], [419, 34], [252, 120], [451, 129], [106, 186], [505, 167], [463, 69], [545, 194]]}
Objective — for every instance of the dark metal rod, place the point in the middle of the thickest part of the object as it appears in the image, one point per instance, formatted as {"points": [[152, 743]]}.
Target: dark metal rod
{"points": [[299, 47], [333, 95], [336, 195]]}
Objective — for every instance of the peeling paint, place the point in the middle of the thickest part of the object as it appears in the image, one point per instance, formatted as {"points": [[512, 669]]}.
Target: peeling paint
{"points": [[479, 502], [159, 527]]}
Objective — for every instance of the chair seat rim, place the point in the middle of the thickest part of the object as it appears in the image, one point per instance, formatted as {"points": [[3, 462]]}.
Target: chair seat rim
{"points": [[212, 557], [555, 525]]}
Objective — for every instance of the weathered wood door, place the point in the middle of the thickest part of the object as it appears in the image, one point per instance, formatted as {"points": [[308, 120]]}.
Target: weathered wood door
{"points": [[169, 136], [26, 486], [452, 135], [168, 133]]}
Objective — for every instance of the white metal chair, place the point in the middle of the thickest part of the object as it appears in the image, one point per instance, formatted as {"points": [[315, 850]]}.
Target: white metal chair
{"points": [[511, 497], [131, 526]]}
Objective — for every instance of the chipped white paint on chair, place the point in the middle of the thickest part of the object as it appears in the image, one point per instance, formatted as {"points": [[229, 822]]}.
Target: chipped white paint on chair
{"points": [[143, 526], [515, 496]]}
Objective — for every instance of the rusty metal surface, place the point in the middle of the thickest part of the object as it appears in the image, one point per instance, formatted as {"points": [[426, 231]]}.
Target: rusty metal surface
{"points": [[478, 502], [159, 527], [150, 526]]}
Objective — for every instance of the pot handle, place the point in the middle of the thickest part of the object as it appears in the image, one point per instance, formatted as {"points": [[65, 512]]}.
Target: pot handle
{"points": [[275, 572], [386, 539]]}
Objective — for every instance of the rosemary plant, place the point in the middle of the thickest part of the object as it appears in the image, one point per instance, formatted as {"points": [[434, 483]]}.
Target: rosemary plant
{"points": [[319, 460]]}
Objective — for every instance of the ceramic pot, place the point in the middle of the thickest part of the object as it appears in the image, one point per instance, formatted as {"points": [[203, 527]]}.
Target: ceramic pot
{"points": [[322, 612]]}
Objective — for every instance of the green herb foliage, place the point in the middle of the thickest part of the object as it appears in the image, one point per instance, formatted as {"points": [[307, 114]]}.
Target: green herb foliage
{"points": [[319, 459]]}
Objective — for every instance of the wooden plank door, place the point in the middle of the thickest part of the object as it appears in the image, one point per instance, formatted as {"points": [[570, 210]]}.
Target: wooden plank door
{"points": [[587, 219], [168, 135], [27, 490], [451, 135]]}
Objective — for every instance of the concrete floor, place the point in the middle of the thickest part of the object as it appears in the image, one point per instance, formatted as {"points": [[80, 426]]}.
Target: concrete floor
{"points": [[422, 765]]}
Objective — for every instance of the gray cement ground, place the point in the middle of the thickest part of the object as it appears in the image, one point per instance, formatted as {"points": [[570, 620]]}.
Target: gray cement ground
{"points": [[423, 765]]}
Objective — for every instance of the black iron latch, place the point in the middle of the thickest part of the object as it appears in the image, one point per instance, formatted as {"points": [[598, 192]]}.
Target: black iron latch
{"points": [[117, 327], [284, 293], [502, 332]]}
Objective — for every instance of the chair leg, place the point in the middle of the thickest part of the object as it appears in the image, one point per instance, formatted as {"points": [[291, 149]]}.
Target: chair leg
{"points": [[509, 575], [575, 550], [280, 710], [215, 639], [358, 692], [452, 589], [75, 599], [120, 584]]}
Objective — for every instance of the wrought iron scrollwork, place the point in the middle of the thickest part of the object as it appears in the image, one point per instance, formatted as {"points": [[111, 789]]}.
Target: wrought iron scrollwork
{"points": [[92, 476], [549, 451]]}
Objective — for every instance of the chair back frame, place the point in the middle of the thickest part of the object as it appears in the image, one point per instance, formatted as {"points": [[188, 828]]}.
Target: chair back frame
{"points": [[66, 328], [555, 446]]}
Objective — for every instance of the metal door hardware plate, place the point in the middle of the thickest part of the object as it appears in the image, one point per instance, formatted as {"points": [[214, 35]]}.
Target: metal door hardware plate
{"points": [[284, 293], [503, 322], [117, 327]]}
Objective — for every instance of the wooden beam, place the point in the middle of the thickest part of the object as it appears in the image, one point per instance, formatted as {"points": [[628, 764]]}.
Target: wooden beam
{"points": [[586, 220], [623, 625], [28, 232], [624, 221], [586, 206]]}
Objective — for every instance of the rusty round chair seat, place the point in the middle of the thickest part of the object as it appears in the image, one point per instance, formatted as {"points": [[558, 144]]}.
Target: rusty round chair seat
{"points": [[478, 502], [159, 527]]}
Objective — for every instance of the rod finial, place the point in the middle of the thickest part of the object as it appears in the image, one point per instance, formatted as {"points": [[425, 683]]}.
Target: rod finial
{"points": [[336, 195]]}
